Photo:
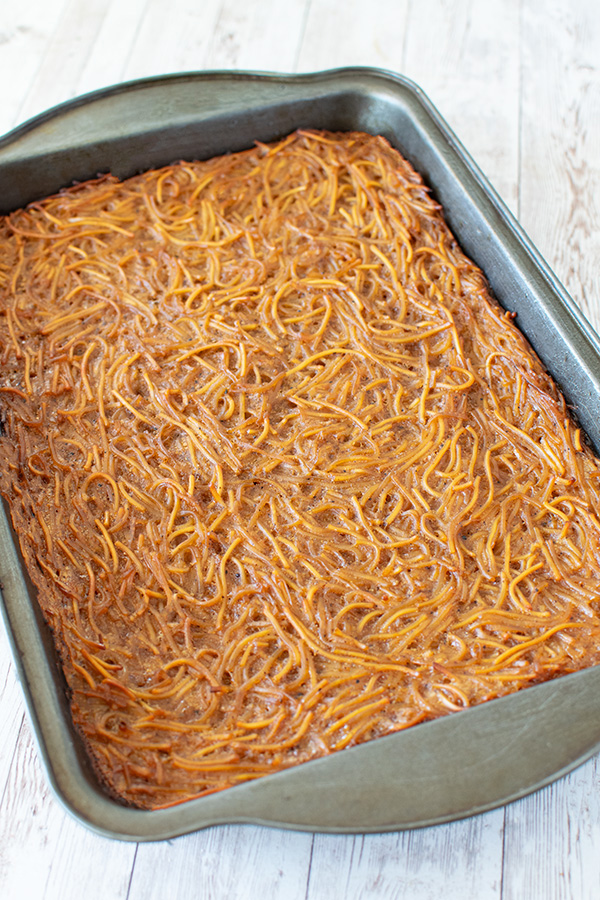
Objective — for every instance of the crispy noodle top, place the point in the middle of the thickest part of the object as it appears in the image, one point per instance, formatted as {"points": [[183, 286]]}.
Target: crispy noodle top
{"points": [[286, 477]]}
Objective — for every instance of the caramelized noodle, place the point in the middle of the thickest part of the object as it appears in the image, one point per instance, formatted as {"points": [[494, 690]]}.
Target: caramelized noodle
{"points": [[286, 477]]}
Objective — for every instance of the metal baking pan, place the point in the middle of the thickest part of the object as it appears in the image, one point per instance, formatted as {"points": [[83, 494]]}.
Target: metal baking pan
{"points": [[456, 766]]}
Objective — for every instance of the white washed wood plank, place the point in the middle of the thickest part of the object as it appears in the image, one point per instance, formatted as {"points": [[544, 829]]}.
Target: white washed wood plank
{"points": [[172, 37], [110, 52], [25, 31], [11, 713], [460, 861], [26, 814], [560, 169], [552, 839], [353, 33], [258, 36], [86, 866], [65, 57], [44, 853], [465, 56], [232, 862]]}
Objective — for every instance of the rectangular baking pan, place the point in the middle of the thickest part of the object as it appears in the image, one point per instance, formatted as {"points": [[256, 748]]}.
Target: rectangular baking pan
{"points": [[456, 766]]}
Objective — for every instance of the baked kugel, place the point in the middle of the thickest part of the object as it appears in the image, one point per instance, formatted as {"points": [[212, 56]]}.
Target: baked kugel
{"points": [[284, 474]]}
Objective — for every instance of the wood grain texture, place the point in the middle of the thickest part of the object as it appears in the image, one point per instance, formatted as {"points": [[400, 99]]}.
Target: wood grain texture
{"points": [[65, 57], [519, 81], [465, 56], [428, 863], [552, 839], [234, 862], [248, 35], [42, 847], [108, 55], [11, 705], [353, 34], [176, 39], [25, 33], [560, 142]]}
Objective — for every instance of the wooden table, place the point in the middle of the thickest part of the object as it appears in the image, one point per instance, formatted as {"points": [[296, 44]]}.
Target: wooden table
{"points": [[519, 81]]}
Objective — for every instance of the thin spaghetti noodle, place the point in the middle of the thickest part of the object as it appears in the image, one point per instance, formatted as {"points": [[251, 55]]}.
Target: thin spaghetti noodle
{"points": [[286, 477]]}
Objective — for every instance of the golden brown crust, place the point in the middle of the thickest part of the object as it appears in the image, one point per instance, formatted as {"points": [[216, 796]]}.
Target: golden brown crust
{"points": [[284, 474]]}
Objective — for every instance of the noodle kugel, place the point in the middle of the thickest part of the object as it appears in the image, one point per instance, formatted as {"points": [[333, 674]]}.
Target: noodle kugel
{"points": [[284, 474]]}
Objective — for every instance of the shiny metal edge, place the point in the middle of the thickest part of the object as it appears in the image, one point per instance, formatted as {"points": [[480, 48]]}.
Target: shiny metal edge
{"points": [[453, 767]]}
